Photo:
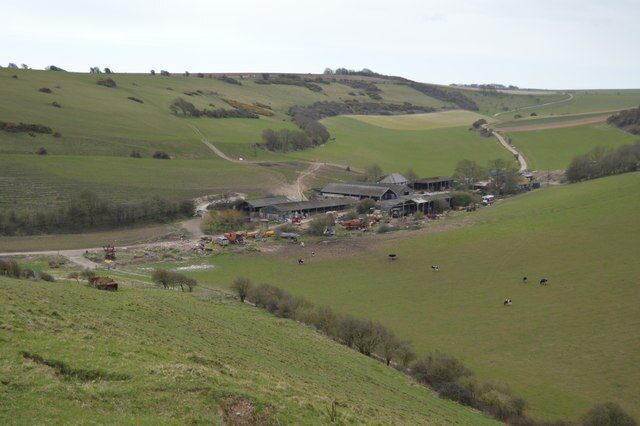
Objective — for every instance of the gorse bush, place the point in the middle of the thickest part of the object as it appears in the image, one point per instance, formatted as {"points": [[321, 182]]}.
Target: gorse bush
{"points": [[229, 220], [607, 414]]}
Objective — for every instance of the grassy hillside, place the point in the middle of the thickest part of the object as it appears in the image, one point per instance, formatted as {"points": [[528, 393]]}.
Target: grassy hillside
{"points": [[562, 347], [554, 148], [429, 152], [148, 356]]}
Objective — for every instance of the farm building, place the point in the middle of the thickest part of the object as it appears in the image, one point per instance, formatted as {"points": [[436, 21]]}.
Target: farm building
{"points": [[433, 184], [278, 211], [409, 204], [394, 179], [256, 204], [375, 191]]}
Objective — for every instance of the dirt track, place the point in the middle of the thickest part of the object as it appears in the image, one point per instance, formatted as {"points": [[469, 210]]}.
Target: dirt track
{"points": [[556, 125]]}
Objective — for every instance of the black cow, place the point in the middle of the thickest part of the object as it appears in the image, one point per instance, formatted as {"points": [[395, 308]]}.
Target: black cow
{"points": [[544, 281]]}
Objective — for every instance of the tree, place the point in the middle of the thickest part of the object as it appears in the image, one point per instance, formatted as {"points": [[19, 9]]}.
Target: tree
{"points": [[405, 353], [468, 172], [187, 108], [74, 276], [320, 224], [411, 175], [372, 173], [165, 73], [87, 274], [12, 65], [163, 278], [95, 70], [607, 414], [328, 71], [504, 176], [108, 71], [24, 66], [365, 206], [389, 345], [242, 287], [153, 72], [184, 281]]}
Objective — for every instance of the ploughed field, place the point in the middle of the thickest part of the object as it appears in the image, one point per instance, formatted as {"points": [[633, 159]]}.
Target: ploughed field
{"points": [[563, 347], [73, 354]]}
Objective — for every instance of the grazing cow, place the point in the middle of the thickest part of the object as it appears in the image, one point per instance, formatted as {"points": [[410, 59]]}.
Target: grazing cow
{"points": [[300, 261], [524, 279], [313, 254], [544, 281], [507, 302], [435, 268]]}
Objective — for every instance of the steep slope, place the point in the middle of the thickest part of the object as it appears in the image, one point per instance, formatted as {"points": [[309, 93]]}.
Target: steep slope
{"points": [[70, 354]]}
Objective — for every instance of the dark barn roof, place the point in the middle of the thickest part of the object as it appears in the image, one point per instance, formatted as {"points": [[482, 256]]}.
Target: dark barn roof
{"points": [[309, 205], [358, 189], [434, 179], [258, 203]]}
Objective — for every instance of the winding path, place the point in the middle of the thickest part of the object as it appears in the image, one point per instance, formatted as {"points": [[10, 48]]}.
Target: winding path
{"points": [[521, 160], [497, 114]]}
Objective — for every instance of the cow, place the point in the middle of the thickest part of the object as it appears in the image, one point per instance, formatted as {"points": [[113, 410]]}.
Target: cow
{"points": [[300, 261], [435, 268], [524, 280], [507, 302], [544, 281]]}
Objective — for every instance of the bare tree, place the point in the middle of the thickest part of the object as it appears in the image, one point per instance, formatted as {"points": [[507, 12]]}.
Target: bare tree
{"points": [[242, 286]]}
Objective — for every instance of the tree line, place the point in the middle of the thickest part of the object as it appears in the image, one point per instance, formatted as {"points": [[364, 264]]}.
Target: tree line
{"points": [[600, 162], [442, 372], [502, 175], [628, 120], [88, 211]]}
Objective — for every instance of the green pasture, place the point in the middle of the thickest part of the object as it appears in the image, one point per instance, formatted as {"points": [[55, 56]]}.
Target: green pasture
{"points": [[434, 120], [41, 181], [563, 347], [429, 152], [149, 356], [553, 149]]}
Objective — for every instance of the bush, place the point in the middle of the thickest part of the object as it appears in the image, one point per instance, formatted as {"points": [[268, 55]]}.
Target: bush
{"points": [[384, 228], [607, 414], [500, 403], [24, 128], [365, 206], [242, 287], [135, 154], [42, 151], [44, 276], [45, 90], [56, 105], [438, 368], [456, 392], [134, 99], [10, 268], [217, 221], [320, 224], [463, 199], [161, 155], [106, 82], [600, 162]]}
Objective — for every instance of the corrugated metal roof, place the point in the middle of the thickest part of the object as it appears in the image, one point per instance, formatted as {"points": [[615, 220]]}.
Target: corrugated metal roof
{"points": [[361, 189], [310, 205], [434, 179], [394, 179], [258, 203]]}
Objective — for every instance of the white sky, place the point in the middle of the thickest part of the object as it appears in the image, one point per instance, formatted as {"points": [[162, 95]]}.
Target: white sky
{"points": [[539, 43]]}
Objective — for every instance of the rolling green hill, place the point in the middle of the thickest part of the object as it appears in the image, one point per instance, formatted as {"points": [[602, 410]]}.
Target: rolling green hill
{"points": [[71, 354], [555, 148], [562, 347]]}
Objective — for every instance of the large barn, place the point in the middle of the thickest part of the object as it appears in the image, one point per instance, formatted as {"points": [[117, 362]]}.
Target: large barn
{"points": [[375, 191]]}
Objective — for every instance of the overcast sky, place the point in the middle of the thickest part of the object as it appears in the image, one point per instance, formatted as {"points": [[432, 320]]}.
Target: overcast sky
{"points": [[543, 43]]}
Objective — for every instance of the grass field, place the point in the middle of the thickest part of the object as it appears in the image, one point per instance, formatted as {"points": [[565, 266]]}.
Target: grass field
{"points": [[562, 347], [429, 152], [553, 149], [429, 121], [40, 181], [164, 357]]}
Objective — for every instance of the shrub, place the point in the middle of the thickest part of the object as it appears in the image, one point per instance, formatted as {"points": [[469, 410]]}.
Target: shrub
{"points": [[41, 151], [162, 277], [607, 414], [601, 162], [53, 68], [217, 221], [479, 123], [24, 128], [44, 276], [438, 368], [134, 99], [106, 82], [365, 206], [57, 135], [45, 90], [161, 155], [135, 154], [320, 224], [384, 228], [463, 199], [242, 287], [500, 403], [10, 268], [456, 392], [56, 105], [230, 80]]}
